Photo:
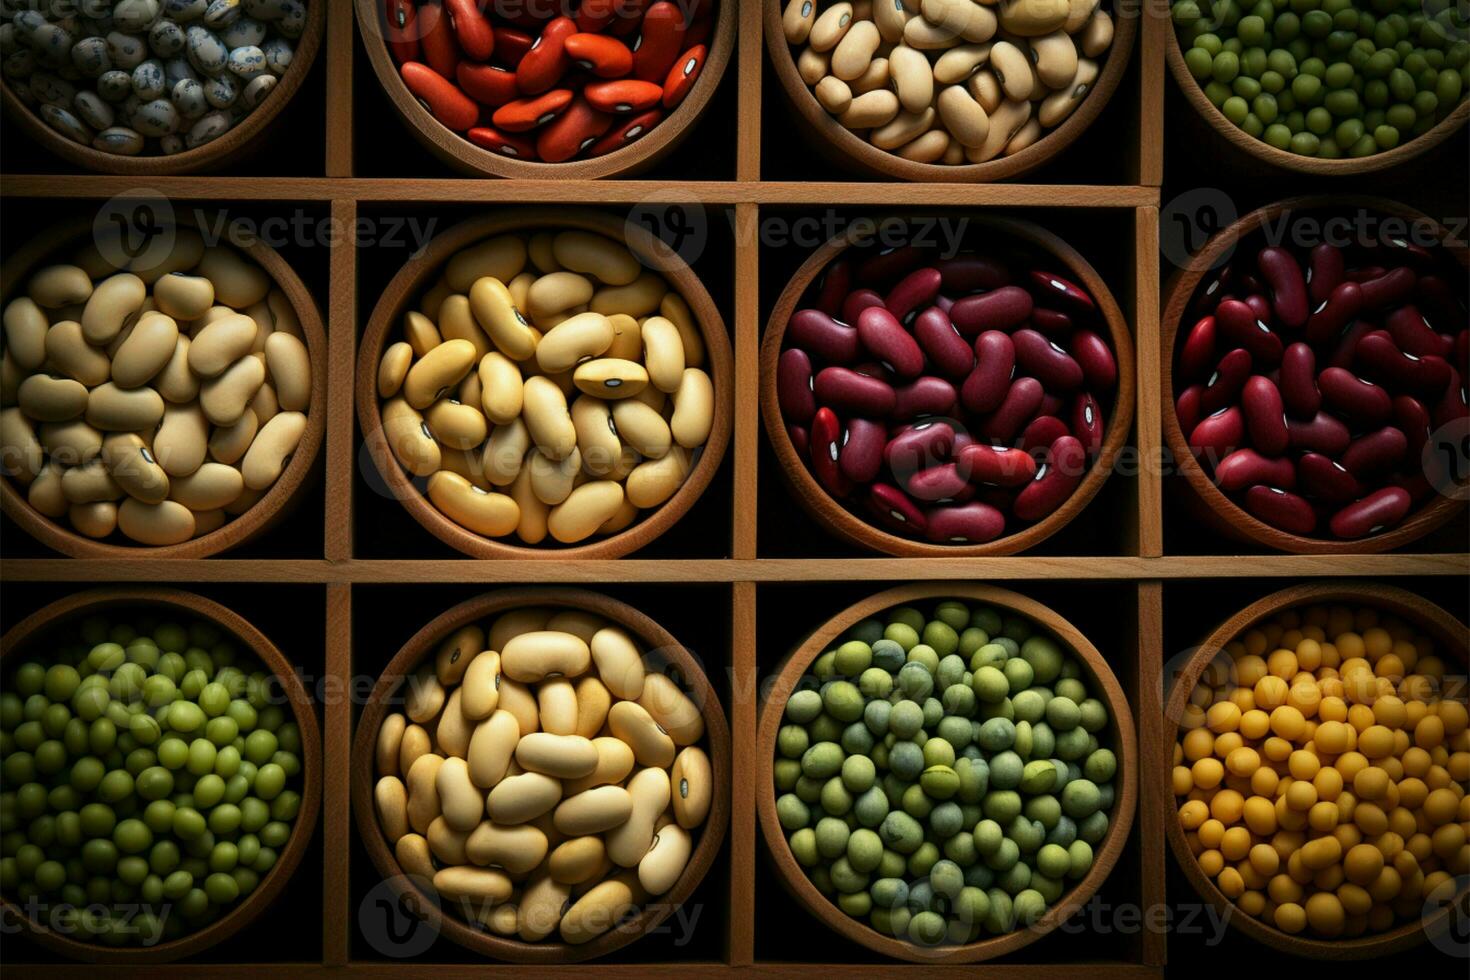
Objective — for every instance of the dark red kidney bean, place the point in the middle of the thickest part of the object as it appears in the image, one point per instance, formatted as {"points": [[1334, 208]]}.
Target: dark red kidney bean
{"points": [[947, 350], [1087, 422], [826, 449], [801, 439], [1322, 433], [1412, 419], [836, 284], [1041, 432], [886, 339], [944, 303], [1219, 435], [1462, 352], [1353, 398], [918, 447], [819, 334], [1452, 404], [546, 63], [856, 302], [1435, 294], [968, 272], [403, 30], [1018, 407], [924, 396], [1334, 314], [892, 507], [1050, 322], [1405, 252], [436, 38], [1281, 509], [1324, 272], [506, 144], [660, 40], [1046, 361], [1226, 381], [1376, 512], [449, 105], [487, 84], [1377, 357], [1363, 273], [1326, 479], [1413, 334], [511, 46], [1000, 309], [914, 290], [943, 481], [845, 390], [794, 385], [1056, 479], [603, 56], [962, 437], [1298, 381], [1240, 327], [890, 264], [1261, 307], [1213, 290], [995, 363], [1265, 415], [1393, 288], [1051, 405], [572, 132], [1288, 287], [1248, 282], [861, 456], [476, 37], [1197, 354], [996, 465], [1071, 294], [1246, 468], [1093, 354], [1375, 452], [1187, 407], [1347, 344], [972, 523], [702, 24], [625, 131], [1416, 484], [874, 369]]}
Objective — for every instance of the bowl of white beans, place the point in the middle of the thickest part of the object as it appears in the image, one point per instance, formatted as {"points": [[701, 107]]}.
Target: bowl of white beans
{"points": [[146, 87], [544, 773], [161, 398], [546, 383], [947, 90]]}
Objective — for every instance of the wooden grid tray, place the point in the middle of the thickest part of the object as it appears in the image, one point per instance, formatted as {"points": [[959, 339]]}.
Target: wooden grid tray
{"points": [[740, 580]]}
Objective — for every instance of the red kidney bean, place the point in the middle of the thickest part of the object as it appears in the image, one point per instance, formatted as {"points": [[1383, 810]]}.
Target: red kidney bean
{"points": [[986, 386], [890, 264], [861, 456], [924, 396], [402, 30], [546, 63], [1322, 433], [1415, 484], [1099, 367], [449, 105], [856, 302], [1375, 453], [1018, 407], [996, 465], [1041, 432], [1335, 313], [436, 39], [1281, 509], [572, 132], [794, 385], [511, 46], [886, 339], [625, 131], [1347, 344], [1265, 415], [1197, 355], [1378, 358], [1379, 511], [894, 508], [942, 481], [629, 14], [846, 390], [1261, 307], [1363, 273], [682, 76], [801, 439], [701, 25], [826, 448], [1288, 287], [1051, 405], [1000, 309], [1401, 250], [1298, 381], [1462, 352], [918, 447], [1219, 435], [471, 29], [594, 15], [1049, 322], [1326, 479], [1413, 334], [1452, 404], [623, 95], [1239, 326], [1226, 381], [942, 343], [1353, 398], [1324, 272], [1056, 479], [526, 114], [972, 523], [1390, 289], [1412, 419], [487, 84], [968, 272], [944, 303], [1087, 422], [1046, 361], [659, 43], [1246, 468], [1435, 294], [835, 284], [819, 334], [603, 56], [1073, 295], [505, 144], [914, 290], [875, 370]]}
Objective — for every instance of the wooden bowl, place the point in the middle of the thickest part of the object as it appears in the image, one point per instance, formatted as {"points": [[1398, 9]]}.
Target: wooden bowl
{"points": [[466, 157], [278, 500], [1120, 731], [65, 612], [1446, 631], [1261, 150], [214, 155], [839, 144], [848, 526], [416, 275], [1208, 502], [657, 642]]}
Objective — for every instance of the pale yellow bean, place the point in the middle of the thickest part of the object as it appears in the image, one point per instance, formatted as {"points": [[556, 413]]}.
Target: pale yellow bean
{"points": [[492, 745], [913, 78], [423, 791], [267, 456], [89, 483], [457, 322], [437, 372], [1055, 58], [502, 257], [574, 861], [468, 882], [228, 444], [131, 464], [114, 409], [237, 281], [974, 22], [597, 439], [95, 520], [391, 800], [484, 512], [593, 702], [674, 309], [585, 509], [556, 702], [209, 487], [542, 250], [390, 737], [290, 371], [691, 784], [175, 381], [55, 286], [206, 521], [919, 33], [927, 148], [547, 419], [1096, 35], [224, 398], [68, 353], [453, 658], [667, 856], [964, 117], [415, 743], [458, 798], [610, 378], [871, 110], [500, 387], [597, 256], [23, 453], [505, 452], [594, 811], [45, 493], [182, 440], [651, 745], [481, 684], [420, 333], [247, 499], [533, 656], [641, 427], [561, 756], [663, 352], [423, 695], [694, 409], [1025, 136], [627, 341], [446, 843], [1005, 121], [557, 292], [452, 734], [614, 762], [1056, 107], [574, 340], [68, 443], [1033, 18], [619, 662], [413, 856], [1079, 12], [878, 76], [393, 368], [409, 438], [655, 481], [517, 799], [25, 332], [284, 314], [957, 64], [596, 911], [45, 398], [182, 296], [831, 25], [509, 625], [148, 348], [1012, 68], [637, 299], [552, 480], [517, 849], [531, 528], [834, 94], [539, 912], [498, 315], [629, 841], [158, 524], [986, 91], [621, 519], [813, 65], [853, 54], [797, 20], [456, 425], [675, 713]]}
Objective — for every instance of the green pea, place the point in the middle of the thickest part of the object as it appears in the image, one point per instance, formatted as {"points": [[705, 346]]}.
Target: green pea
{"points": [[132, 836], [842, 699]]}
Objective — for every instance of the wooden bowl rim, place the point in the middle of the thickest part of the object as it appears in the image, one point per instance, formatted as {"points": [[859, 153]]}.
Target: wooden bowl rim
{"points": [[1181, 290], [1286, 160], [1413, 608], [302, 709], [881, 163], [420, 646], [205, 157], [269, 508], [460, 153], [409, 283], [856, 530], [1120, 820]]}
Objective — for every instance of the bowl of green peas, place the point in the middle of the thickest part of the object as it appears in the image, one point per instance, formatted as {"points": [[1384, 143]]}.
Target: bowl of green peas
{"points": [[1325, 86], [159, 774], [948, 771]]}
